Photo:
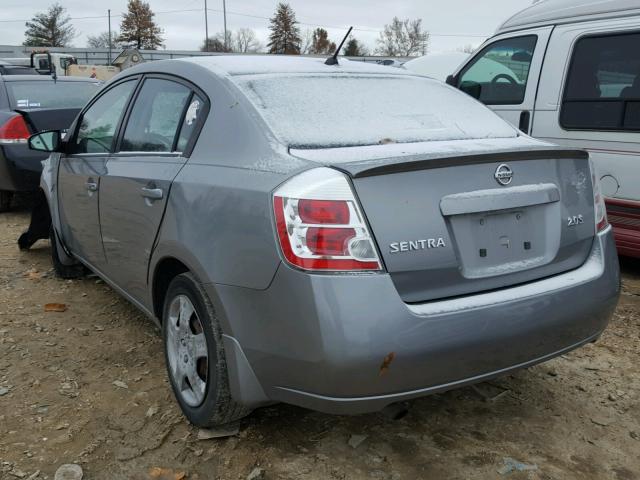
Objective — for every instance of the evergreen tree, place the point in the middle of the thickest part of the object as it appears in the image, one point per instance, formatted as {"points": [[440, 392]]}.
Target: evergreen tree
{"points": [[216, 43], [138, 29], [49, 29], [285, 34], [355, 49], [320, 43]]}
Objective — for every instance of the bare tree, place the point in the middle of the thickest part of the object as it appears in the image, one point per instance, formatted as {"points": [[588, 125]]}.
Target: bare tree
{"points": [[101, 40], [468, 48], [306, 42], [50, 28], [246, 41], [403, 38]]}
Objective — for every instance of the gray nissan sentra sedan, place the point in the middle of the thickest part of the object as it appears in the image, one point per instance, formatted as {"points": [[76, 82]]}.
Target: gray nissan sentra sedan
{"points": [[337, 237]]}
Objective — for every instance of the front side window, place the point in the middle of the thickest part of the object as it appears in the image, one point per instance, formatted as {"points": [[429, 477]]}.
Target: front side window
{"points": [[498, 74], [602, 91], [99, 122], [156, 117]]}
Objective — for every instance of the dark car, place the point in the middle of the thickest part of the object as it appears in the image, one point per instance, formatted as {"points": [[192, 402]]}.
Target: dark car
{"points": [[11, 69], [29, 104]]}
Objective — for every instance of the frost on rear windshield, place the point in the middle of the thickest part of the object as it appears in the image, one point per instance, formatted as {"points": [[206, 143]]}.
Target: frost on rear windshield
{"points": [[338, 110]]}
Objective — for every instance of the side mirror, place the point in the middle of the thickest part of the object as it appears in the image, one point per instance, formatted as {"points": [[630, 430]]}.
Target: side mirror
{"points": [[452, 80], [471, 88], [47, 141]]}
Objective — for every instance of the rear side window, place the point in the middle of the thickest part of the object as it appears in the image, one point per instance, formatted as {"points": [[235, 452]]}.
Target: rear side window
{"points": [[190, 122], [602, 91], [50, 94], [498, 74], [99, 122], [156, 117]]}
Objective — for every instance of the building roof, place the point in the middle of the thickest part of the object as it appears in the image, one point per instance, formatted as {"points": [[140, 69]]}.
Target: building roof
{"points": [[262, 64], [552, 12]]}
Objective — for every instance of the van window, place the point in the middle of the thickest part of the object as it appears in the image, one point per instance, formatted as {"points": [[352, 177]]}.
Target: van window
{"points": [[602, 91], [498, 74]]}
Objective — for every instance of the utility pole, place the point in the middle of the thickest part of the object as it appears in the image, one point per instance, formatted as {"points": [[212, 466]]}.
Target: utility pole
{"points": [[206, 28], [109, 15], [224, 14]]}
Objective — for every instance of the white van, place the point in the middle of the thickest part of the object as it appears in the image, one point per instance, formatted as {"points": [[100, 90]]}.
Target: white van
{"points": [[570, 74]]}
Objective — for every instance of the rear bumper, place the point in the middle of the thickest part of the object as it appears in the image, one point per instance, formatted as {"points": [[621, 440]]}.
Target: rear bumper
{"points": [[624, 216], [20, 168], [348, 344]]}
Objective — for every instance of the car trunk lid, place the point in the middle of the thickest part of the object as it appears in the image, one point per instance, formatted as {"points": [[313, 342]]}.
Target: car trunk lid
{"points": [[40, 119], [452, 222]]}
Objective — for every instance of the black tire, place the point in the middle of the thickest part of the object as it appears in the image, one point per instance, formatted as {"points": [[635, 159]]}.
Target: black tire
{"points": [[218, 407], [67, 272], [5, 200]]}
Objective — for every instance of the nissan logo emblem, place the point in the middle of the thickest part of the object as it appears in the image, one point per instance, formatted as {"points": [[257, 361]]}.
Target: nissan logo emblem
{"points": [[503, 174]]}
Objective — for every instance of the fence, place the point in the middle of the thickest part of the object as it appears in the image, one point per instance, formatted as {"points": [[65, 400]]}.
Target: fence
{"points": [[100, 56]]}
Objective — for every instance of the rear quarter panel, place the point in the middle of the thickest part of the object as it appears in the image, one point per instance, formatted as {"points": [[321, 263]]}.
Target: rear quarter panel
{"points": [[218, 219]]}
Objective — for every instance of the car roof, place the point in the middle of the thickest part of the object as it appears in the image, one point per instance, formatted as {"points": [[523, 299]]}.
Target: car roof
{"points": [[233, 65], [553, 12], [45, 78]]}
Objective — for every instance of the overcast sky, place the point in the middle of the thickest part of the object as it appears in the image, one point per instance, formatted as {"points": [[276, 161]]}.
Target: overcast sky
{"points": [[452, 23]]}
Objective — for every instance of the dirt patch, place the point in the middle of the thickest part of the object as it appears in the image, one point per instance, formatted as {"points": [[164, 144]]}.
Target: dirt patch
{"points": [[87, 384]]}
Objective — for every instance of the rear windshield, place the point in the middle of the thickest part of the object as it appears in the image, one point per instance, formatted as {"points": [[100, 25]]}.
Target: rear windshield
{"points": [[50, 94], [309, 111]]}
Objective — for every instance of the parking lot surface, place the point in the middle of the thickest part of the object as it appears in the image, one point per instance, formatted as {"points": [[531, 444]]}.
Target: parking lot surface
{"points": [[87, 385]]}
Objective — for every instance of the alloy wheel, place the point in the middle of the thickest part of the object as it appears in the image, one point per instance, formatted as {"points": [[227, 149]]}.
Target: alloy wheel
{"points": [[187, 351]]}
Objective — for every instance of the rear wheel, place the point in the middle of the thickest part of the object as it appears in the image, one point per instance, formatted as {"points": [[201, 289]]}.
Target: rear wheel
{"points": [[67, 272], [194, 355], [5, 200]]}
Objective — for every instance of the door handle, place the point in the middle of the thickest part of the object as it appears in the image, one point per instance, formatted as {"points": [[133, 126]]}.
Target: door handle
{"points": [[525, 120], [152, 193], [91, 185]]}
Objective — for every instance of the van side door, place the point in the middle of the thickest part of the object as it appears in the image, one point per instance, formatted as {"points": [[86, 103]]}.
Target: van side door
{"points": [[504, 74], [590, 98]]}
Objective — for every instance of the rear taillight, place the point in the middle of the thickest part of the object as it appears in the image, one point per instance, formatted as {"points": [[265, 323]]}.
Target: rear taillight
{"points": [[320, 224], [14, 130], [598, 201]]}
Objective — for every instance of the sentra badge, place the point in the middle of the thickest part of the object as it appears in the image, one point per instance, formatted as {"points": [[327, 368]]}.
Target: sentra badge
{"points": [[412, 245]]}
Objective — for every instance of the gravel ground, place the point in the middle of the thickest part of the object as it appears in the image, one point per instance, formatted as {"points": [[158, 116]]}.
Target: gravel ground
{"points": [[88, 386]]}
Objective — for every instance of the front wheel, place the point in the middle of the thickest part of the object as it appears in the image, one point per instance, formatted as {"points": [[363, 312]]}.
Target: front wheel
{"points": [[194, 355]]}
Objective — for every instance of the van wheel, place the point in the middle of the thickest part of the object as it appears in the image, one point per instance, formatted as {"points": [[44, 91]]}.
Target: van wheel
{"points": [[194, 355], [68, 272], [5, 200]]}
